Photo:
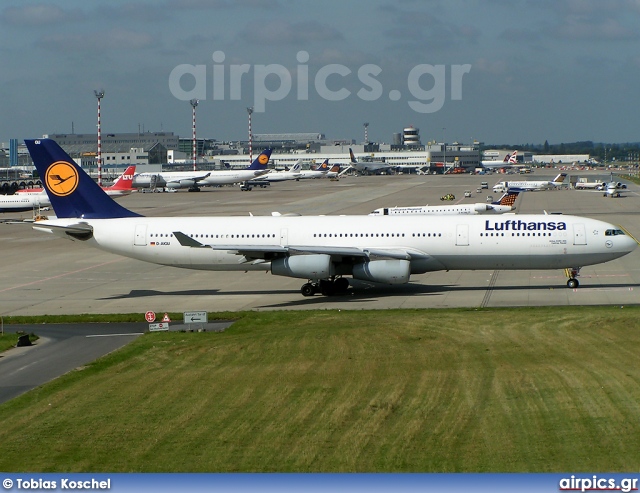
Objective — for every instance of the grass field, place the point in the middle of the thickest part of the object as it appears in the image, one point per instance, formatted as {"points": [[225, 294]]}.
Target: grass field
{"points": [[508, 390]]}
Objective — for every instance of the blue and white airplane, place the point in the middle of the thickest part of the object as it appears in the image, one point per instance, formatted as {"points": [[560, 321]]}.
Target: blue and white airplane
{"points": [[195, 179], [324, 250], [289, 174], [501, 206]]}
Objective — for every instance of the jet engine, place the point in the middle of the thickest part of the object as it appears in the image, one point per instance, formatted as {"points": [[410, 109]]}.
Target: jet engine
{"points": [[181, 184], [304, 267], [383, 271]]}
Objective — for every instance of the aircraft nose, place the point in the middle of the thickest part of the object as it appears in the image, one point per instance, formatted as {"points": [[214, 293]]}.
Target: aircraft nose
{"points": [[628, 243], [632, 243]]}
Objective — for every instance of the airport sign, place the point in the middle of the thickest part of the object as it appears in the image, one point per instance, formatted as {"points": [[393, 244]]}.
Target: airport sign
{"points": [[195, 317], [158, 326]]}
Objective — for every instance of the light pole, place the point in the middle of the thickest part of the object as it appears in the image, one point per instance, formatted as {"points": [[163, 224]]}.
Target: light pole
{"points": [[194, 103], [99, 93], [444, 147], [250, 111]]}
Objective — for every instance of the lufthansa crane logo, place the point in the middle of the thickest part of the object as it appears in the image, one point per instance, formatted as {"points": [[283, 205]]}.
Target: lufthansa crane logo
{"points": [[263, 159], [62, 178]]}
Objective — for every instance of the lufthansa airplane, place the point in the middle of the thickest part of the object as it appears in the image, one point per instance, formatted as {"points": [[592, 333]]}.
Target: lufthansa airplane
{"points": [[193, 180], [502, 205], [323, 250]]}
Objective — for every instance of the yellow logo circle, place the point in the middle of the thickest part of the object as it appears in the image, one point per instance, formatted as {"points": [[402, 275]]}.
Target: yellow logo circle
{"points": [[263, 159], [62, 178]]}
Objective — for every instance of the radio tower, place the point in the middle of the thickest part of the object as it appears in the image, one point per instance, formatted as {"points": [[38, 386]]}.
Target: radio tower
{"points": [[250, 111], [99, 93], [194, 103], [366, 133]]}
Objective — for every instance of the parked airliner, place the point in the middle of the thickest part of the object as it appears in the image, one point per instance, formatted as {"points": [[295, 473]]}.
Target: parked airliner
{"points": [[530, 185], [319, 171], [369, 165], [504, 204], [193, 180], [322, 249], [290, 174], [508, 161]]}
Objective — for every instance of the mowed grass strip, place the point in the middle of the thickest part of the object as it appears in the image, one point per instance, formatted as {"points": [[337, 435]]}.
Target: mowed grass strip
{"points": [[553, 389]]}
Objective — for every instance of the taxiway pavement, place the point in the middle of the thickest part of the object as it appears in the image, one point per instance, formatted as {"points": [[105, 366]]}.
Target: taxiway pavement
{"points": [[40, 274]]}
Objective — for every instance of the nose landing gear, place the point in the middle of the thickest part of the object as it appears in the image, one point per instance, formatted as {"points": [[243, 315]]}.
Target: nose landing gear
{"points": [[572, 273]]}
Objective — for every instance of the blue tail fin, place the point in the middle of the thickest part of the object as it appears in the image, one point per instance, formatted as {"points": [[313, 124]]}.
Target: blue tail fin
{"points": [[351, 156], [71, 191], [261, 161]]}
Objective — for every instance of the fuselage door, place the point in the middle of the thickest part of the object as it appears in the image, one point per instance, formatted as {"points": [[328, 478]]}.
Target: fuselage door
{"points": [[462, 235], [579, 234], [141, 235], [284, 237]]}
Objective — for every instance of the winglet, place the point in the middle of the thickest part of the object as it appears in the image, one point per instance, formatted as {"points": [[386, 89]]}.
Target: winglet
{"points": [[73, 194]]}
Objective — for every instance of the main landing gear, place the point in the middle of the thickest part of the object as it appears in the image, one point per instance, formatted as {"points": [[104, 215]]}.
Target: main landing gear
{"points": [[572, 273], [328, 287]]}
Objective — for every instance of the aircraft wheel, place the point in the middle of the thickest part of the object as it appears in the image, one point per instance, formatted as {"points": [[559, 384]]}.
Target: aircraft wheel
{"points": [[572, 283], [341, 284], [308, 289], [327, 288]]}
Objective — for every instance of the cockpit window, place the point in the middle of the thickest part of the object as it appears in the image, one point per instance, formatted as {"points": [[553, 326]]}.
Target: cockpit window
{"points": [[613, 232]]}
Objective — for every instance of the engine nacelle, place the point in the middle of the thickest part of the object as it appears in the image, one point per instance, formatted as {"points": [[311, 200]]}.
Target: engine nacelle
{"points": [[480, 208], [383, 271], [304, 266], [181, 184]]}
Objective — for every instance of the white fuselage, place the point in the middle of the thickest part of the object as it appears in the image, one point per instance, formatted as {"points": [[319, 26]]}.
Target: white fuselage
{"points": [[462, 242], [478, 208], [187, 179], [530, 185], [23, 201], [311, 173], [280, 176]]}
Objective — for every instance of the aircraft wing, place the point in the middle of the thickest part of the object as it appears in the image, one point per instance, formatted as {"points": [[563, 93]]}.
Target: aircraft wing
{"points": [[269, 252], [196, 178]]}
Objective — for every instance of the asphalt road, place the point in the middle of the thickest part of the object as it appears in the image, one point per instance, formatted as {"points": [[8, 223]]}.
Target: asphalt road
{"points": [[40, 274], [60, 349]]}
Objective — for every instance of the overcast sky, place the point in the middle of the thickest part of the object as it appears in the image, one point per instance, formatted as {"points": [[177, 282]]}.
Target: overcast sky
{"points": [[499, 71]]}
